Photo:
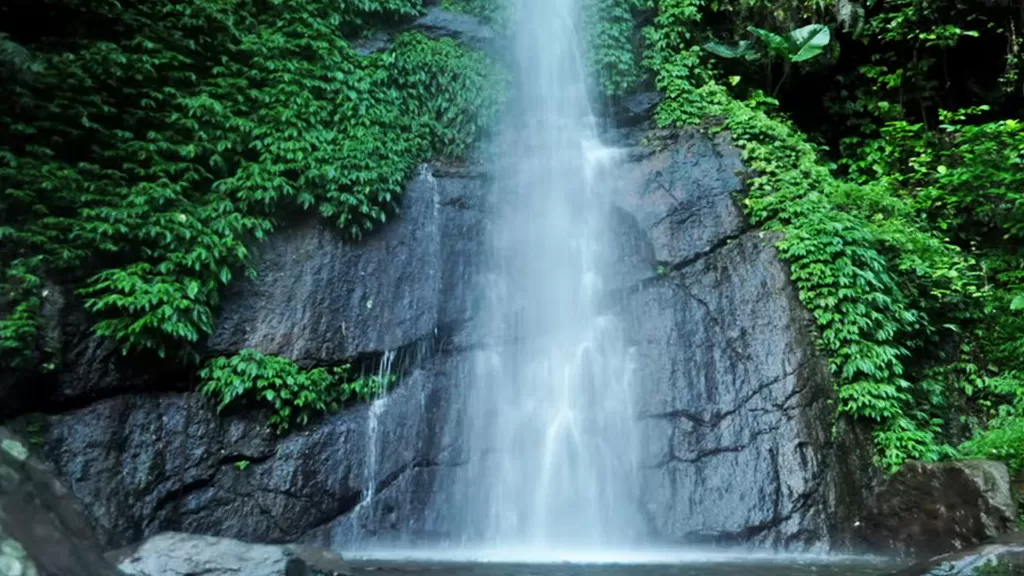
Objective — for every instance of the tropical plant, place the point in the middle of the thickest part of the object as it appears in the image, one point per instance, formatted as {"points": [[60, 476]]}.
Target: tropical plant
{"points": [[796, 46], [294, 395]]}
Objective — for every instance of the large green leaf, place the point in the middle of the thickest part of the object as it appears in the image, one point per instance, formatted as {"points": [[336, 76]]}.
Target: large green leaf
{"points": [[808, 42], [775, 43], [1018, 303], [740, 50]]}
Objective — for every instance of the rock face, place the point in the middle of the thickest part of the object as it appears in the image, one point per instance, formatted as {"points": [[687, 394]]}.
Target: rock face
{"points": [[174, 554], [734, 395], [146, 463], [43, 529], [926, 509]]}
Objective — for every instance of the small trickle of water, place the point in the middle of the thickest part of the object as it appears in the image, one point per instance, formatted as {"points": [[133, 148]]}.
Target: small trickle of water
{"points": [[552, 433], [377, 407]]}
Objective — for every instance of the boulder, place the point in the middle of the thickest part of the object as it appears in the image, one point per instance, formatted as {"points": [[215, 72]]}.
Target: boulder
{"points": [[927, 509], [1002, 557], [43, 528], [177, 554]]}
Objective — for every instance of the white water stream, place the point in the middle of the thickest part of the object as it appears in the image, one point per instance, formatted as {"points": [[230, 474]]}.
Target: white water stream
{"points": [[551, 421]]}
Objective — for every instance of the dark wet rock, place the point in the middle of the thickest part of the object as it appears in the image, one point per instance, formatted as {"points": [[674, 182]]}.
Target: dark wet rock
{"points": [[94, 368], [43, 528], [682, 200], [637, 108], [436, 23], [466, 29], [734, 395], [146, 460], [320, 300], [926, 509], [739, 423], [1003, 556], [176, 554], [145, 464]]}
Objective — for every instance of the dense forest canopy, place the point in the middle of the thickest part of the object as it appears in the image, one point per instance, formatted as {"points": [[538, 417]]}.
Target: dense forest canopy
{"points": [[145, 146]]}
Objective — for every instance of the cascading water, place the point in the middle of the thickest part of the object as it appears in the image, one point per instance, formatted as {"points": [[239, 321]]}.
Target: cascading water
{"points": [[551, 429]]}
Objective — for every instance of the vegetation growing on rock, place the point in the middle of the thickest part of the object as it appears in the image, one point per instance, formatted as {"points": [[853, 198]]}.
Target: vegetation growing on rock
{"points": [[293, 394], [145, 146], [904, 234]]}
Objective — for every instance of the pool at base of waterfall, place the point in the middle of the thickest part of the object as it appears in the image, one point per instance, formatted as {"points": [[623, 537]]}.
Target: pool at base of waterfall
{"points": [[530, 563], [736, 568]]}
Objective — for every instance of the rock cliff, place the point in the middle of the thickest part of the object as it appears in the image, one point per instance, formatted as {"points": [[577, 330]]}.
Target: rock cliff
{"points": [[735, 397]]}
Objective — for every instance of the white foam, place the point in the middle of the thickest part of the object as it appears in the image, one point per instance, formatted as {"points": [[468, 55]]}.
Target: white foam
{"points": [[635, 557]]}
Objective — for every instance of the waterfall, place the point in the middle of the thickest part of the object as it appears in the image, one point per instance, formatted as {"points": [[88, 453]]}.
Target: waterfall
{"points": [[378, 404], [551, 426]]}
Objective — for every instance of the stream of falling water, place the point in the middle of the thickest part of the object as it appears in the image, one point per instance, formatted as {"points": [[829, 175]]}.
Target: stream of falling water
{"points": [[377, 406], [551, 421]]}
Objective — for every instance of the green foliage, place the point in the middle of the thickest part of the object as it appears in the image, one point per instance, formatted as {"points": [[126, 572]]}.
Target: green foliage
{"points": [[495, 13], [801, 44], [838, 260], [479, 8], [293, 394], [908, 251], [142, 168], [1004, 441], [615, 40]]}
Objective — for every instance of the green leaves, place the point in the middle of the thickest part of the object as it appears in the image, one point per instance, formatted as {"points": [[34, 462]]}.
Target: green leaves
{"points": [[796, 46], [613, 38], [778, 45], [742, 49], [141, 170], [808, 42], [293, 394], [1018, 303]]}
